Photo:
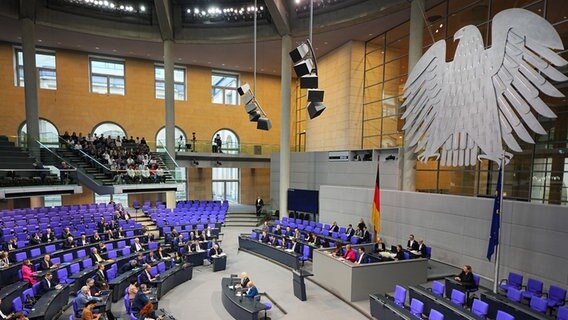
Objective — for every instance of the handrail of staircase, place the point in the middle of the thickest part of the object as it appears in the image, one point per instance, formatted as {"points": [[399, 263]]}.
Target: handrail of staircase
{"points": [[55, 154], [169, 155], [84, 154]]}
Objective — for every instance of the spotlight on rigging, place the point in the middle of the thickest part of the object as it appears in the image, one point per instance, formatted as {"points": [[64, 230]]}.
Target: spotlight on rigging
{"points": [[315, 102], [253, 109], [305, 65]]}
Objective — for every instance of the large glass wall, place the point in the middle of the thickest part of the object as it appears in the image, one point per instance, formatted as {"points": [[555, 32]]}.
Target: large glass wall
{"points": [[538, 174]]}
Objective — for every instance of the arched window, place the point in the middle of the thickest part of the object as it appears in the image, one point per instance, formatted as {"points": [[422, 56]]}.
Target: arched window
{"points": [[229, 141], [48, 133], [109, 129], [226, 181], [161, 139]]}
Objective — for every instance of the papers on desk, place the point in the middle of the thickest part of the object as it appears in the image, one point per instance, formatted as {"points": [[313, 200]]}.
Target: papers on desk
{"points": [[415, 252], [219, 255], [387, 254], [288, 250]]}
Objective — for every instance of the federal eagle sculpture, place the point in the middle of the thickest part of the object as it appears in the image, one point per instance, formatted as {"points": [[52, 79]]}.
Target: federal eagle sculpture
{"points": [[470, 108]]}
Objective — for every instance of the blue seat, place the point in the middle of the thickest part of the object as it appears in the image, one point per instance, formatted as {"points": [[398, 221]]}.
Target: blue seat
{"points": [[399, 295], [562, 313], [68, 257], [458, 297], [539, 304], [161, 267], [435, 315], [438, 288], [502, 315], [416, 307], [36, 252], [18, 306], [21, 256], [305, 254], [28, 293], [514, 280], [76, 311], [406, 255], [534, 288], [127, 307], [475, 287], [74, 268], [479, 308], [35, 288], [556, 296], [253, 235], [87, 263], [514, 295]]}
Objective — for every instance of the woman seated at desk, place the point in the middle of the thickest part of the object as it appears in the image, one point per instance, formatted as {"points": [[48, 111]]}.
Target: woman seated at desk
{"points": [[27, 272], [337, 251], [379, 246]]}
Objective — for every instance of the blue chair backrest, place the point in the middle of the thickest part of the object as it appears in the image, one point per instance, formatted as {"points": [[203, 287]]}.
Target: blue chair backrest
{"points": [[438, 288], [125, 251], [562, 313], [28, 293], [428, 252], [35, 288], [502, 315], [539, 304], [112, 255], [479, 308], [161, 267], [306, 251], [87, 263], [17, 305], [514, 295], [515, 280], [21, 256], [458, 297], [50, 248], [127, 303], [556, 295], [416, 307], [74, 268], [61, 274], [68, 257], [406, 255], [435, 315], [399, 295], [81, 254], [253, 235], [36, 252], [534, 286]]}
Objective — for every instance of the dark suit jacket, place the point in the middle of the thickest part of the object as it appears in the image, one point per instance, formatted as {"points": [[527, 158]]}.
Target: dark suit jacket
{"points": [[399, 255], [144, 278], [133, 248], [100, 279], [334, 228], [350, 232], [48, 238], [466, 279], [414, 245], [422, 250], [43, 265], [140, 300], [380, 247], [95, 259], [44, 287], [297, 248]]}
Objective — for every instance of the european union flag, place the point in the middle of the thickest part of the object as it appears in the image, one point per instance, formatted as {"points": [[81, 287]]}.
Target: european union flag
{"points": [[494, 236]]}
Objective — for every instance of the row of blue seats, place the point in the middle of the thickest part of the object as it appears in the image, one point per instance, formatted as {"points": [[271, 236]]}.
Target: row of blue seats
{"points": [[516, 291], [416, 307]]}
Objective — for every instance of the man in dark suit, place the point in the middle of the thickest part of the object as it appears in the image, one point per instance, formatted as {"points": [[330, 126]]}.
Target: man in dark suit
{"points": [[349, 232], [69, 243], [66, 234], [399, 254], [264, 237], [100, 278], [421, 248], [46, 264], [412, 244], [136, 246], [259, 204], [296, 247], [48, 236], [101, 226], [362, 256], [47, 284], [140, 300], [96, 256], [178, 243], [365, 235], [82, 241], [145, 277], [151, 258]]}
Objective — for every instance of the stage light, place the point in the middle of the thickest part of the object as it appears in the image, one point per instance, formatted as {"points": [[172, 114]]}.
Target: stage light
{"points": [[263, 124]]}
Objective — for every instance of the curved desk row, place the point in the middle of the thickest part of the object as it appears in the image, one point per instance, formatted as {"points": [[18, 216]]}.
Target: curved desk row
{"points": [[289, 259], [519, 311], [50, 305], [443, 305], [173, 277], [240, 308], [385, 309], [9, 275], [9, 293]]}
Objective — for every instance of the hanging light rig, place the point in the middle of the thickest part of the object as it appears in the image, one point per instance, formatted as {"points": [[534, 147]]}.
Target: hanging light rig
{"points": [[252, 107]]}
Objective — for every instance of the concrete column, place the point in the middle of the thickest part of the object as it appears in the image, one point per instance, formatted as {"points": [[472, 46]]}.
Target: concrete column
{"points": [[170, 110], [30, 86], [286, 79], [169, 96], [414, 54]]}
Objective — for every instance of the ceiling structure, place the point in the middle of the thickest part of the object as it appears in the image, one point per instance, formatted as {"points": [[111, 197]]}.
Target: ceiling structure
{"points": [[210, 33]]}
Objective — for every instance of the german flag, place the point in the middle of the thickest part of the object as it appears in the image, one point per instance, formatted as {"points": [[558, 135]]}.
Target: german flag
{"points": [[376, 211]]}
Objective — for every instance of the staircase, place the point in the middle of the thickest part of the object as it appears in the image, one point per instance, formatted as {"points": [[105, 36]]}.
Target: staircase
{"points": [[146, 221], [241, 216]]}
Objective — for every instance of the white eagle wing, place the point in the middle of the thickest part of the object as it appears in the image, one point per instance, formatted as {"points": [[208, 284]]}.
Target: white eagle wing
{"points": [[520, 55], [423, 93]]}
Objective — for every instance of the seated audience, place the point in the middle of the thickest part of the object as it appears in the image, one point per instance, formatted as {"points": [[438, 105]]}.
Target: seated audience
{"points": [[362, 256], [46, 264], [251, 291], [412, 244], [379, 245], [88, 314], [97, 258], [47, 284], [140, 299], [465, 277], [399, 254], [350, 254], [349, 232], [27, 272], [100, 278], [145, 277], [334, 227], [4, 261]]}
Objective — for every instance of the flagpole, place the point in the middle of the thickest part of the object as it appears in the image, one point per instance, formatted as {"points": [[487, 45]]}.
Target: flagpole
{"points": [[498, 249]]}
